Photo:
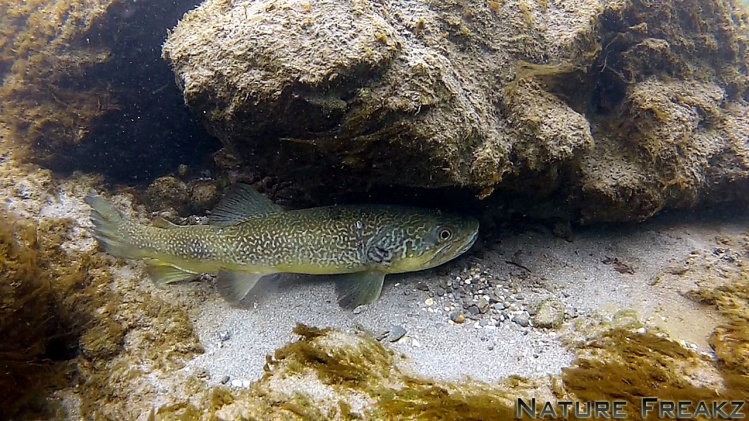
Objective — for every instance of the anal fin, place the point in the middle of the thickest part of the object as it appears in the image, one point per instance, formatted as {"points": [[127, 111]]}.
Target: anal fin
{"points": [[355, 289], [234, 286], [166, 274]]}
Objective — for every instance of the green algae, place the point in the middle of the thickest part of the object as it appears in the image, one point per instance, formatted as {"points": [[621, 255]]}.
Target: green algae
{"points": [[44, 46], [426, 400]]}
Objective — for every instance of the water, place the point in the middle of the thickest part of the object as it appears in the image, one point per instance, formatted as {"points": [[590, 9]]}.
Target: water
{"points": [[603, 149]]}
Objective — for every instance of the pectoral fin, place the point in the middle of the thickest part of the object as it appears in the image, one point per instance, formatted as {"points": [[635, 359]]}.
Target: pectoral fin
{"points": [[355, 289], [166, 274], [234, 286]]}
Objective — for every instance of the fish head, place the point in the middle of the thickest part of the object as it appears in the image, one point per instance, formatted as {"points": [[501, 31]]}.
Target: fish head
{"points": [[429, 239]]}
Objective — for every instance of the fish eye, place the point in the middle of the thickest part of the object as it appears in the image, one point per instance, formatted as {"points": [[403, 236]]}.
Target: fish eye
{"points": [[445, 234]]}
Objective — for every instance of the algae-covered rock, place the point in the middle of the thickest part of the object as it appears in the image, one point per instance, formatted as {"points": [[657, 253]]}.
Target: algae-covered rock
{"points": [[84, 87], [167, 193], [550, 314], [618, 109]]}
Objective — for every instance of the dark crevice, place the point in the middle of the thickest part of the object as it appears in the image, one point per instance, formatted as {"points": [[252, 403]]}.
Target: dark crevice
{"points": [[149, 132]]}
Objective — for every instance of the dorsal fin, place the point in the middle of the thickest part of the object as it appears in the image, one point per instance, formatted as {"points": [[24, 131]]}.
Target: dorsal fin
{"points": [[240, 204]]}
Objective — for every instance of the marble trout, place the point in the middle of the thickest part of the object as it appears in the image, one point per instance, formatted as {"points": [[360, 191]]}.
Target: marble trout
{"points": [[248, 237]]}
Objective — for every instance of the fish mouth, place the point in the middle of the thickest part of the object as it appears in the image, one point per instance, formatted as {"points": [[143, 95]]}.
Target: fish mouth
{"points": [[439, 257], [468, 244]]}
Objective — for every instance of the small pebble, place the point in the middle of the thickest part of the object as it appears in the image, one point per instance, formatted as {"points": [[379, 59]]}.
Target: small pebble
{"points": [[474, 310], [236, 383], [396, 332], [224, 336], [439, 291], [429, 302], [522, 319], [422, 286], [224, 379], [483, 305], [457, 316]]}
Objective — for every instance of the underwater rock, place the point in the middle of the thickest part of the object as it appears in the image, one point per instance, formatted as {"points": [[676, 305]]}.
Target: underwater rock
{"points": [[617, 110], [84, 87], [204, 196], [550, 314], [167, 193]]}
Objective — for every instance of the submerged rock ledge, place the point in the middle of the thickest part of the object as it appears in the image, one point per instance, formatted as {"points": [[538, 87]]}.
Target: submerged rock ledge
{"points": [[619, 108]]}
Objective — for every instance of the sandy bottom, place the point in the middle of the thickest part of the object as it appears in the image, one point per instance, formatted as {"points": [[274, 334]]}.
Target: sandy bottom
{"points": [[604, 270], [237, 339]]}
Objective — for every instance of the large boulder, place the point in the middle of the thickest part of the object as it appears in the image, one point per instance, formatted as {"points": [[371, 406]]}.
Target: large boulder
{"points": [[617, 108]]}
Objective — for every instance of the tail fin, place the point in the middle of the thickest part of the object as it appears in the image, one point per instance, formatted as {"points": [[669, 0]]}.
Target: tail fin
{"points": [[111, 229]]}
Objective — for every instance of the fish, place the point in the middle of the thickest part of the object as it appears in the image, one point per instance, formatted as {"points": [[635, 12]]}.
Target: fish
{"points": [[249, 237]]}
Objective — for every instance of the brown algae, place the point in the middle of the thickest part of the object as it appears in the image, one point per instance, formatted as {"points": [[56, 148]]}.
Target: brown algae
{"points": [[64, 325], [47, 298]]}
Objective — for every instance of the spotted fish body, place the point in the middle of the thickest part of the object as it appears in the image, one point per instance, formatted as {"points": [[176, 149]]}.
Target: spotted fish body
{"points": [[249, 237]]}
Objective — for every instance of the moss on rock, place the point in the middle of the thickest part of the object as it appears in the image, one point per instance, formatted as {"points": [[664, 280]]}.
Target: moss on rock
{"points": [[618, 110]]}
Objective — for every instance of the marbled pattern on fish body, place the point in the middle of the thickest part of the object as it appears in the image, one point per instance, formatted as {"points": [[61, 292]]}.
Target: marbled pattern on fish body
{"points": [[252, 237]]}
